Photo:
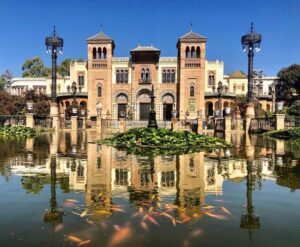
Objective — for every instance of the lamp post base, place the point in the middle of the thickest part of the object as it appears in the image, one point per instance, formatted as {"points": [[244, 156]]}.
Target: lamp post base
{"points": [[152, 120], [54, 115], [250, 113]]}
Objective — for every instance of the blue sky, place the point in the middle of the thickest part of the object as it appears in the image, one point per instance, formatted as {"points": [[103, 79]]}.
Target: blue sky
{"points": [[25, 24]]}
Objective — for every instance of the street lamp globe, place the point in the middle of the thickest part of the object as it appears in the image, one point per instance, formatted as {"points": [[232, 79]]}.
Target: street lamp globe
{"points": [[29, 105]]}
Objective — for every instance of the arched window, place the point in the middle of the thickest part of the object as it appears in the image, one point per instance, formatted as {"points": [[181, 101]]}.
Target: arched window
{"points": [[187, 52], [168, 75], [99, 91], [94, 53], [192, 91], [211, 79], [104, 53], [143, 75], [118, 76], [126, 76], [173, 75], [198, 52], [193, 52], [164, 76], [99, 53], [147, 73]]}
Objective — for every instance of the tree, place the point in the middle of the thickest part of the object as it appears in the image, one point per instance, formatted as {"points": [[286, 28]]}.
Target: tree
{"points": [[35, 67], [290, 80], [64, 68], [5, 79], [41, 106], [294, 109]]}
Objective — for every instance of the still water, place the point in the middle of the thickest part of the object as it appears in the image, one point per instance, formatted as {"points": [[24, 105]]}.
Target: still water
{"points": [[62, 189]]}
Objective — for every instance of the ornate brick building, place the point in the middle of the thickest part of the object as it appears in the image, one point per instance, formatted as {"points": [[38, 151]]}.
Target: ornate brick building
{"points": [[122, 85]]}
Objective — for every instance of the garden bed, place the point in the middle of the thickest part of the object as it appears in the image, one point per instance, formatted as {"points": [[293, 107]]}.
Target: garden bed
{"points": [[163, 141], [19, 131]]}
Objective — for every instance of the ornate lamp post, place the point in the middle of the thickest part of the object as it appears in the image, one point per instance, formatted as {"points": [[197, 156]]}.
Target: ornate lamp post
{"points": [[54, 44], [251, 42], [99, 120], [220, 89], [152, 114], [74, 104]]}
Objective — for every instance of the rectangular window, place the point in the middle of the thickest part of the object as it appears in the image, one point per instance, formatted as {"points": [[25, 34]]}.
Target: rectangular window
{"points": [[121, 76], [191, 105]]}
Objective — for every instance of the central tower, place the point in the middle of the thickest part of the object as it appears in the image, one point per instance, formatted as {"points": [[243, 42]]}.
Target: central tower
{"points": [[100, 53], [191, 75]]}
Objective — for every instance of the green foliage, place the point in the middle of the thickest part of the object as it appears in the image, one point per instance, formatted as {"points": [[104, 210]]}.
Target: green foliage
{"points": [[5, 79], [41, 106], [294, 109], [293, 133], [35, 67], [163, 141], [64, 68], [290, 77], [18, 131]]}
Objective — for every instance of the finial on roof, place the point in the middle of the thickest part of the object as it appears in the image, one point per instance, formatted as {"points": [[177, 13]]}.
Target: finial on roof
{"points": [[54, 31], [101, 28], [191, 27], [151, 43], [139, 44]]}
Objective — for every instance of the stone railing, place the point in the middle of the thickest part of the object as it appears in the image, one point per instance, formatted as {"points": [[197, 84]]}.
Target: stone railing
{"points": [[262, 124], [44, 122], [12, 120]]}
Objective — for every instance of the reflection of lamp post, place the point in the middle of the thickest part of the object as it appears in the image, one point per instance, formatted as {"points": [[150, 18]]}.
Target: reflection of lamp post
{"points": [[152, 114], [249, 220], [53, 215]]}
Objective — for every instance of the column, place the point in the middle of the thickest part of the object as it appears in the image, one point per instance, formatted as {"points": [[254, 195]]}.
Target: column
{"points": [[122, 125], [74, 123], [29, 120], [279, 121]]}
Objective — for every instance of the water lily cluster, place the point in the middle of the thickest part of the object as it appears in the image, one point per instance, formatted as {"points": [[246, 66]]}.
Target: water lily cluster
{"points": [[160, 141], [286, 134]]}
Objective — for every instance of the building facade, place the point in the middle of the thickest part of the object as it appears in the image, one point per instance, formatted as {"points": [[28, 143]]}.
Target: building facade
{"points": [[122, 86]]}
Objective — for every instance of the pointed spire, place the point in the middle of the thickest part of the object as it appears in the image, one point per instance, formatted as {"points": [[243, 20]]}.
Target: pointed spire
{"points": [[54, 31], [101, 28], [191, 27], [252, 28]]}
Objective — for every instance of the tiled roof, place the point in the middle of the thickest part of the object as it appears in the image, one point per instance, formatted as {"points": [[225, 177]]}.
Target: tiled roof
{"points": [[237, 74], [145, 48], [99, 36], [192, 35]]}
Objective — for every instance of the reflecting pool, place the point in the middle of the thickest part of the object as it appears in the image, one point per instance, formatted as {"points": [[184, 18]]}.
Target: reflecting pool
{"points": [[63, 189]]}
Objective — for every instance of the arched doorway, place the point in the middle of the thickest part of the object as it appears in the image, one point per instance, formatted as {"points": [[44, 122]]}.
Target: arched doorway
{"points": [[144, 103], [168, 102], [122, 101]]}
